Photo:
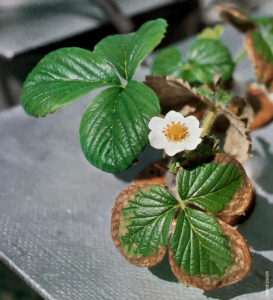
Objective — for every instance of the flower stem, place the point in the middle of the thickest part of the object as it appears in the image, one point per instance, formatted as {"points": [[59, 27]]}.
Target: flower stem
{"points": [[240, 57], [208, 121]]}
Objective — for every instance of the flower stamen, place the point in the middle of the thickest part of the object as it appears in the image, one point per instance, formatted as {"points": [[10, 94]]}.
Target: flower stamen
{"points": [[176, 132]]}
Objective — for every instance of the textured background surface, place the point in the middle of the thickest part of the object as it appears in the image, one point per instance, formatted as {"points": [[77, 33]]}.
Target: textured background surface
{"points": [[55, 212]]}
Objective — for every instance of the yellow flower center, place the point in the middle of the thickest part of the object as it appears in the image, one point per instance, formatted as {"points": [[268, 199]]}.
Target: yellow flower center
{"points": [[175, 132]]}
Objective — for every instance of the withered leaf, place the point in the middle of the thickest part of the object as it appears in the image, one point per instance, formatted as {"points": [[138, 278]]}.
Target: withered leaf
{"points": [[237, 140], [236, 18], [262, 106], [175, 94]]}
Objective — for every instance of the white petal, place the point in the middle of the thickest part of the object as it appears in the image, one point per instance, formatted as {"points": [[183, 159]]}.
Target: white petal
{"points": [[191, 122], [195, 132], [174, 116], [172, 148], [191, 144], [157, 140], [156, 123]]}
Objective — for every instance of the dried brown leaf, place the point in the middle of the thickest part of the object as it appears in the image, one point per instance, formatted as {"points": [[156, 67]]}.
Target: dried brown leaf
{"points": [[236, 18], [262, 106], [237, 140], [176, 94]]}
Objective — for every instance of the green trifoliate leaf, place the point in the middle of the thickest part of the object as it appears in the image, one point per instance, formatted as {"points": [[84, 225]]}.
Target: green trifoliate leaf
{"points": [[206, 57], [126, 52], [198, 245], [210, 186], [146, 221], [168, 61], [213, 33], [205, 93], [114, 128], [222, 96], [63, 76]]}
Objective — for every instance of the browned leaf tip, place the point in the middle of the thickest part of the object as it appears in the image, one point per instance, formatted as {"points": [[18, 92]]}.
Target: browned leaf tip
{"points": [[121, 201], [176, 94], [236, 272], [263, 68], [236, 18], [242, 199], [237, 141], [262, 105]]}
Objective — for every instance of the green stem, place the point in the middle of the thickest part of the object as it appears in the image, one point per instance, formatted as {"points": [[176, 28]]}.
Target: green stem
{"points": [[240, 57], [208, 121]]}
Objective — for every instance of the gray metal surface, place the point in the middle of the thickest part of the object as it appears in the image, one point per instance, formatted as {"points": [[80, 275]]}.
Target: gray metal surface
{"points": [[28, 24], [55, 212]]}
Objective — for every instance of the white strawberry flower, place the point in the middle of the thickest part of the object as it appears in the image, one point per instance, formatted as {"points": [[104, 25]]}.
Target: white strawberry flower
{"points": [[174, 133]]}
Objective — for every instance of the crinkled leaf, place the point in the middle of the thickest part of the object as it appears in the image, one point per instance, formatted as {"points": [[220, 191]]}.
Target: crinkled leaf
{"points": [[210, 186], [206, 57], [211, 33], [63, 76], [126, 52], [167, 61], [114, 128], [198, 245], [146, 221]]}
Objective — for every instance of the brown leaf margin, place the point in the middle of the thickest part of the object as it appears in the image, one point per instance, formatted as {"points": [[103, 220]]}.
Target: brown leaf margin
{"points": [[263, 68], [237, 271], [242, 199], [121, 201], [236, 18]]}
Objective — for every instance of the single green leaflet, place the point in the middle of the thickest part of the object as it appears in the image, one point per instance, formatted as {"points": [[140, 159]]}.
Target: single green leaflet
{"points": [[114, 128], [210, 186], [198, 244], [168, 61], [208, 56], [146, 221], [63, 76], [126, 52]]}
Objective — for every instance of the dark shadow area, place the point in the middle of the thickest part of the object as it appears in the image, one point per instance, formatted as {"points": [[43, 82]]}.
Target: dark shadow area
{"points": [[254, 282], [148, 156], [265, 177], [12, 287], [163, 270], [257, 230]]}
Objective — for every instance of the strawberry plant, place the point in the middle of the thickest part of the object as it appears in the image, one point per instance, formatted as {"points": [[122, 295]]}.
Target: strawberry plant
{"points": [[188, 214]]}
